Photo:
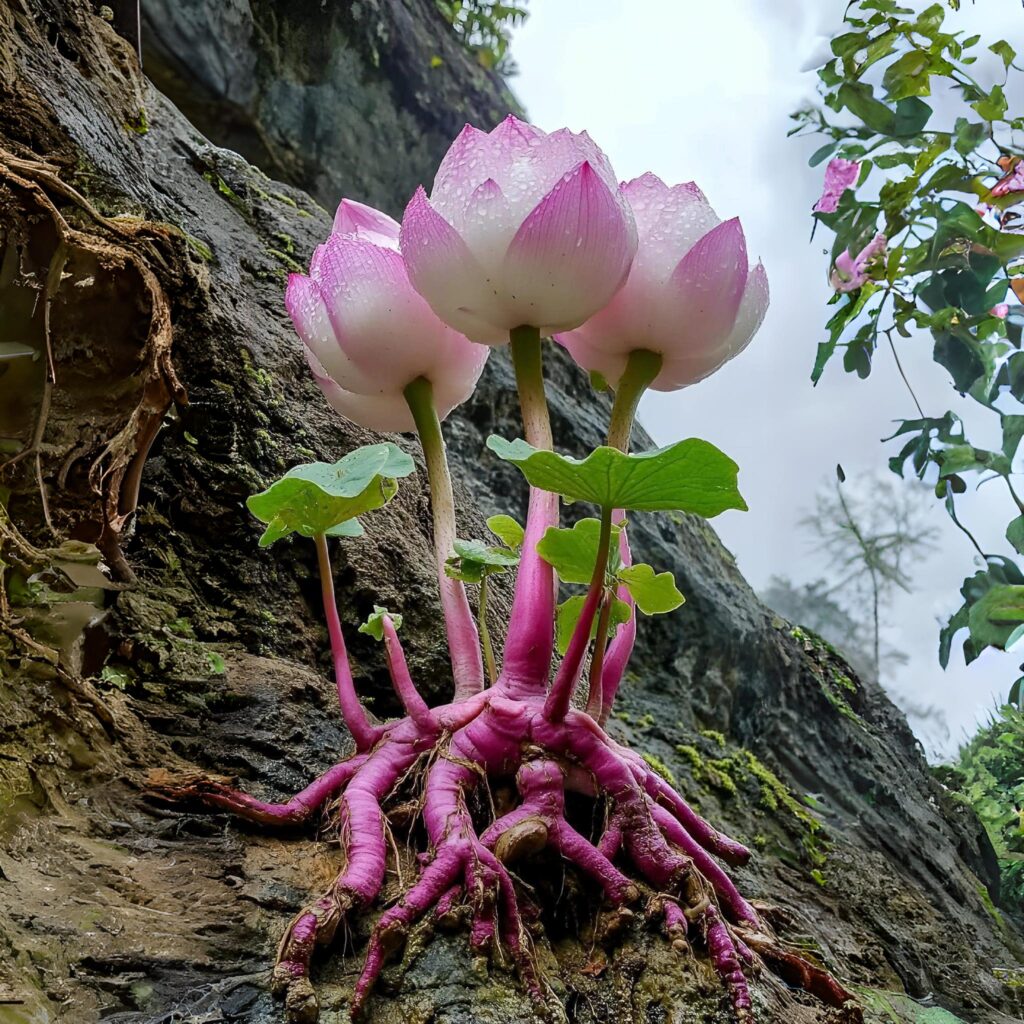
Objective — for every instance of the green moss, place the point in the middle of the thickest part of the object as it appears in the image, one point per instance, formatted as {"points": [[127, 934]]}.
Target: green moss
{"points": [[286, 261], [716, 737], [139, 125], [262, 378], [830, 671], [645, 721], [200, 248], [660, 767], [227, 192], [818, 877], [718, 775], [986, 902], [691, 754]]}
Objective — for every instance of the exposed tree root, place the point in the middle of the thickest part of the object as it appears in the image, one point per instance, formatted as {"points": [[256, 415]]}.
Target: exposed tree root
{"points": [[115, 244], [652, 844]]}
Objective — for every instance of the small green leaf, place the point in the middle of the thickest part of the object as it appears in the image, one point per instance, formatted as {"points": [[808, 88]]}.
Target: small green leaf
{"points": [[995, 616], [507, 530], [569, 614], [993, 106], [822, 154], [689, 476], [968, 135], [473, 560], [1004, 50], [320, 497], [478, 551], [374, 625], [654, 594], [572, 553], [1015, 534]]}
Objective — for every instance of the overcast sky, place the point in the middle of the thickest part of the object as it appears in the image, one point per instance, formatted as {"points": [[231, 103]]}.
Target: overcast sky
{"points": [[704, 92]]}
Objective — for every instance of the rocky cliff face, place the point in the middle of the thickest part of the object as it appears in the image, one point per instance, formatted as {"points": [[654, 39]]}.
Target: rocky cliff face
{"points": [[170, 255]]}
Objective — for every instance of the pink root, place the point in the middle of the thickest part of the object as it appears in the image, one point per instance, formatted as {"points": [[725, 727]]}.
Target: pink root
{"points": [[676, 925], [540, 820], [661, 792], [723, 955], [218, 796], [652, 838], [458, 851]]}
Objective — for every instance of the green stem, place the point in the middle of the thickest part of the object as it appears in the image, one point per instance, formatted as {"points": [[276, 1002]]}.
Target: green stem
{"points": [[463, 642], [528, 364], [485, 634], [641, 368]]}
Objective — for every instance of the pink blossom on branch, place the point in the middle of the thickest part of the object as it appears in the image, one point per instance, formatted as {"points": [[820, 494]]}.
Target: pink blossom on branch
{"points": [[851, 272], [367, 333], [690, 295], [1011, 182], [839, 176], [1000, 309], [521, 228]]}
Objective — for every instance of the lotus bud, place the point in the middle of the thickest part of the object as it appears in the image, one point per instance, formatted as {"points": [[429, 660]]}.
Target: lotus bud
{"points": [[522, 228], [367, 333], [690, 295]]}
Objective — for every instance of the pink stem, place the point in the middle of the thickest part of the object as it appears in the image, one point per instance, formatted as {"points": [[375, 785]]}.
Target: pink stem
{"points": [[621, 647], [460, 624], [531, 628], [415, 706], [354, 714], [568, 674]]}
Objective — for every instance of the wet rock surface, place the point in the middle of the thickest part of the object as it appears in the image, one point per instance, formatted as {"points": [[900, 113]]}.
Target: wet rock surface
{"points": [[213, 657]]}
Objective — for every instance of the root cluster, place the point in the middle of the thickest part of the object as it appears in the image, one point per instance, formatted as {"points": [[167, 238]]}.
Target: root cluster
{"points": [[652, 847]]}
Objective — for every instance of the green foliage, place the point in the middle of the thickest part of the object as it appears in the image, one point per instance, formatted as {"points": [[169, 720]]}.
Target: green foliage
{"points": [[507, 530], [689, 476], [568, 614], [654, 593], [573, 554], [484, 28], [946, 266], [374, 625], [473, 560], [326, 497], [989, 774]]}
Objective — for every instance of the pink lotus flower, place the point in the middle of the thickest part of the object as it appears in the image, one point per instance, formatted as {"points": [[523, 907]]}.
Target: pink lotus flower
{"points": [[521, 229], [851, 272], [367, 333], [839, 176], [690, 295]]}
